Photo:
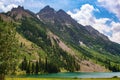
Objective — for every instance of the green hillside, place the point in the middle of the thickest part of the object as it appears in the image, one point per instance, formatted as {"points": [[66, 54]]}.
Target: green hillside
{"points": [[99, 47], [54, 42]]}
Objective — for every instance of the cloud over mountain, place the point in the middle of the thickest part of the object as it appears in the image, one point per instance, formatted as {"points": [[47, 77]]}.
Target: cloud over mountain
{"points": [[83, 11], [7, 5], [85, 16], [111, 5]]}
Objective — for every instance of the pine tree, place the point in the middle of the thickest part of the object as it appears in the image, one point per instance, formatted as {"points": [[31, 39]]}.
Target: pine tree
{"points": [[33, 68], [46, 64], [41, 66], [37, 67], [8, 48], [24, 64], [28, 68]]}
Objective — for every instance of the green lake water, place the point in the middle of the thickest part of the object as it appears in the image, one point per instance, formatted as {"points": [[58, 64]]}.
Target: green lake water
{"points": [[75, 75]]}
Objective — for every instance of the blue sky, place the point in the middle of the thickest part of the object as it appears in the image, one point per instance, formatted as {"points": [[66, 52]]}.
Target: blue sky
{"points": [[103, 15]]}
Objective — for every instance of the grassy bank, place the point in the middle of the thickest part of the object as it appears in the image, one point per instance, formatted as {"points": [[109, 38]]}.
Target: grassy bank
{"points": [[61, 79]]}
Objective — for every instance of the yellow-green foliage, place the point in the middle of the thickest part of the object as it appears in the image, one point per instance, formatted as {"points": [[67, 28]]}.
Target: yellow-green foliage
{"points": [[62, 79]]}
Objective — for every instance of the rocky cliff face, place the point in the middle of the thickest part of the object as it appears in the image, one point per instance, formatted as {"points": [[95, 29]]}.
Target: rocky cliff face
{"points": [[63, 23], [19, 13]]}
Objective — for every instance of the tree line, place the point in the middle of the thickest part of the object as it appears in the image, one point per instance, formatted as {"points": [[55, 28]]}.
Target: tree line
{"points": [[38, 66]]}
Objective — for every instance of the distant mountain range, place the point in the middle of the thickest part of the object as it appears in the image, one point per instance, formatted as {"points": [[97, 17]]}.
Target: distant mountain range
{"points": [[67, 44]]}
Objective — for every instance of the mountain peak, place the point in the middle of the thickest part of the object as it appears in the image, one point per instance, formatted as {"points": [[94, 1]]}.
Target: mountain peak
{"points": [[62, 12], [19, 13], [65, 18], [47, 9], [47, 6], [47, 14], [19, 8]]}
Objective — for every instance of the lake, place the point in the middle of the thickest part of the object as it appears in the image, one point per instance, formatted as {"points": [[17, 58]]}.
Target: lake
{"points": [[75, 75]]}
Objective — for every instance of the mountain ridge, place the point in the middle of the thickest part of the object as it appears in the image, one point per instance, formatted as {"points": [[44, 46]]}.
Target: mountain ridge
{"points": [[66, 19], [77, 31], [87, 44], [74, 33]]}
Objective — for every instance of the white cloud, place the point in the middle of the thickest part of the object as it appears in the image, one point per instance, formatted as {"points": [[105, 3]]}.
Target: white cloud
{"points": [[115, 27], [7, 5], [20, 1], [11, 1], [85, 16], [115, 37], [111, 5], [115, 32], [6, 8], [101, 26]]}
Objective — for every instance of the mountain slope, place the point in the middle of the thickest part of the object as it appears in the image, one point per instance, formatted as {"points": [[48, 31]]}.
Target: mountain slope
{"points": [[70, 31], [39, 45], [54, 39], [74, 34]]}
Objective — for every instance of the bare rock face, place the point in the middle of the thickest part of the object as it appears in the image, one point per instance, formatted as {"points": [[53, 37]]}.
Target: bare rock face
{"points": [[60, 20], [19, 8], [19, 13], [47, 14], [95, 33], [87, 66]]}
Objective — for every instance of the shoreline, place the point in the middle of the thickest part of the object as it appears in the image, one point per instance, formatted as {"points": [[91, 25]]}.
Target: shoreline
{"points": [[62, 78]]}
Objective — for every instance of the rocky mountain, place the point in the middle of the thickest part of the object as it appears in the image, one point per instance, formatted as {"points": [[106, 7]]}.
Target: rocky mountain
{"points": [[55, 37], [61, 18], [69, 30], [19, 13], [76, 34]]}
